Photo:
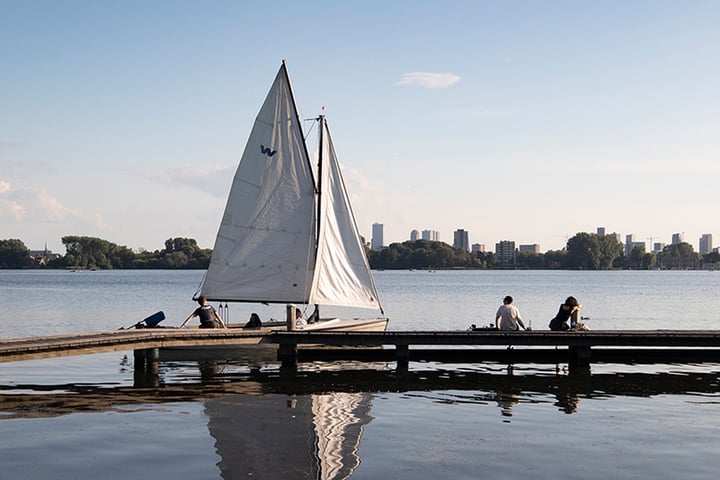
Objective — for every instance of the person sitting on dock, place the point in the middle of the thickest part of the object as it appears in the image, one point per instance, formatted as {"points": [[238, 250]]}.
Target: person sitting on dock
{"points": [[254, 321], [209, 317], [570, 310], [509, 316]]}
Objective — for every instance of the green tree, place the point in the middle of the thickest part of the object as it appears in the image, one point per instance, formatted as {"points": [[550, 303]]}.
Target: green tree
{"points": [[611, 252], [178, 253], [92, 252], [583, 252], [14, 254], [649, 260], [589, 251], [421, 254], [530, 260], [711, 260], [679, 256], [485, 259], [636, 257], [554, 258]]}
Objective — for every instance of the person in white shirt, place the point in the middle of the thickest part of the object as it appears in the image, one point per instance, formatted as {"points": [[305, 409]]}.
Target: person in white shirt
{"points": [[508, 316]]}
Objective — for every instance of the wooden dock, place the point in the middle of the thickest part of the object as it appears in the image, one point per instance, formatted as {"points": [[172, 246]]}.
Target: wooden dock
{"points": [[574, 347], [114, 340], [581, 347]]}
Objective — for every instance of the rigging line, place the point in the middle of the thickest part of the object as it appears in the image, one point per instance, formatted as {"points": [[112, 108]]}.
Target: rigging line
{"points": [[315, 121]]}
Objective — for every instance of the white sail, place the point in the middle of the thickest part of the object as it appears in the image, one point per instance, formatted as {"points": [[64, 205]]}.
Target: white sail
{"points": [[342, 273], [264, 247], [271, 247]]}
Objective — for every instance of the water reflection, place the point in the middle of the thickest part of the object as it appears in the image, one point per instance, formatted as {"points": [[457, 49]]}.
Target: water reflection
{"points": [[278, 436], [568, 402], [506, 402], [310, 423]]}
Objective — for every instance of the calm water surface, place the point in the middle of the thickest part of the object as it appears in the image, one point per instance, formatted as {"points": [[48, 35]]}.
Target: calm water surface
{"points": [[234, 415]]}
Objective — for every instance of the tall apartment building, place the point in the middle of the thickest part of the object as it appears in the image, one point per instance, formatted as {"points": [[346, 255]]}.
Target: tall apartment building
{"points": [[706, 244], [601, 231], [630, 243], [414, 235], [431, 235], [678, 238], [377, 236], [505, 252], [460, 239]]}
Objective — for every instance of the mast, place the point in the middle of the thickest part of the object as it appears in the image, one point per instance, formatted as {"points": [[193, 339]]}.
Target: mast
{"points": [[321, 139]]}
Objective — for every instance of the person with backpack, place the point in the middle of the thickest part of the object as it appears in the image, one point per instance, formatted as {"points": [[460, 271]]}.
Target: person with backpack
{"points": [[209, 317]]}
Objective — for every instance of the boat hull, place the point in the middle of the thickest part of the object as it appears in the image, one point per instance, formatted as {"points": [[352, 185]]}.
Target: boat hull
{"points": [[355, 325]]}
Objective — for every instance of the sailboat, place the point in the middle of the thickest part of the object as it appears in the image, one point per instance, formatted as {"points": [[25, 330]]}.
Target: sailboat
{"points": [[288, 234]]}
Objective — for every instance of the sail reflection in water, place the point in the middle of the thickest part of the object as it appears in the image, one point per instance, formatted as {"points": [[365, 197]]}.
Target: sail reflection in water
{"points": [[278, 436]]}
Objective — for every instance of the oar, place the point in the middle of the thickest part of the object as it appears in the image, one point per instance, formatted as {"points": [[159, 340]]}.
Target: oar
{"points": [[149, 322]]}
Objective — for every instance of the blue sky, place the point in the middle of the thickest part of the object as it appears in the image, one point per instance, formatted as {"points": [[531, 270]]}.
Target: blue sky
{"points": [[515, 120]]}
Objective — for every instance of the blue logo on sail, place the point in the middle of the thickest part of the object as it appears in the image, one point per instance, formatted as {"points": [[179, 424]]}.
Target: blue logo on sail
{"points": [[266, 151]]}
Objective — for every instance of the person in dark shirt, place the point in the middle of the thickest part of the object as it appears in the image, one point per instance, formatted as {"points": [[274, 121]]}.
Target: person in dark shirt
{"points": [[570, 310], [209, 317], [254, 321]]}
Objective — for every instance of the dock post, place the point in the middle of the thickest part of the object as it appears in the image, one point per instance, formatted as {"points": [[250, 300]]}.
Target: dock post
{"points": [[146, 367], [402, 355], [288, 354], [580, 356], [290, 317]]}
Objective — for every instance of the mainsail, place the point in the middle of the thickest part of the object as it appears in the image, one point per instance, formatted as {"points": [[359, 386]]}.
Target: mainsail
{"points": [[268, 228], [271, 247]]}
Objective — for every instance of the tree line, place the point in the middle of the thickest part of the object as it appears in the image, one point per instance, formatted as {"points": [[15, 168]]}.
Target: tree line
{"points": [[96, 253], [584, 251]]}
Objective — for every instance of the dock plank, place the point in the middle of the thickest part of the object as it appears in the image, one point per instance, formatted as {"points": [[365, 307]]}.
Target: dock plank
{"points": [[104, 341]]}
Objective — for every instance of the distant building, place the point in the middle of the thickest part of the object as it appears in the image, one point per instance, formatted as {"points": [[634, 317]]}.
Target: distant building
{"points": [[414, 235], [460, 239], [478, 248], [601, 231], [430, 235], [706, 243], [505, 252], [678, 238], [377, 237], [630, 244], [41, 257], [658, 247], [531, 248]]}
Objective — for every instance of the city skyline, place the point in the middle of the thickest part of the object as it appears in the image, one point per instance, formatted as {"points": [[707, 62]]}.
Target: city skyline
{"points": [[626, 239], [529, 121]]}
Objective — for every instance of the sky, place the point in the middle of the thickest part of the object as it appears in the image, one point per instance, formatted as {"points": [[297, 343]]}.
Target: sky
{"points": [[517, 120]]}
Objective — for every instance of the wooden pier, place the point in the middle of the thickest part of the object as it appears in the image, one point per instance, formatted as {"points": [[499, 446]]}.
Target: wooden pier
{"points": [[115, 340], [582, 347], [573, 347]]}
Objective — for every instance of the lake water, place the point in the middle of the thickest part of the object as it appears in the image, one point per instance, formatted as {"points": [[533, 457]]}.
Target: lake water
{"points": [[234, 414]]}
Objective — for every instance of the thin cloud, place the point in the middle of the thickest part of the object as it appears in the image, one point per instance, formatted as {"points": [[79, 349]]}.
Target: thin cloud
{"points": [[26, 204], [428, 80], [213, 180]]}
